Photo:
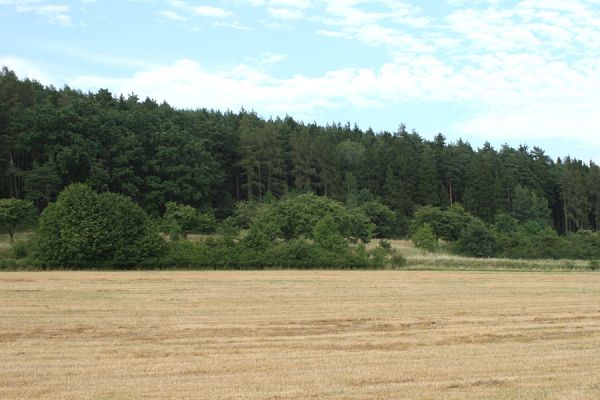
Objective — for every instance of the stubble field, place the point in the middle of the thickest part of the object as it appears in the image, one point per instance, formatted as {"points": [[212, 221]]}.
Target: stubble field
{"points": [[299, 334]]}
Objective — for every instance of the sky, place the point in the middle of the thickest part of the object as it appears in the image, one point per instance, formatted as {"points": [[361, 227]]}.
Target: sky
{"points": [[516, 72]]}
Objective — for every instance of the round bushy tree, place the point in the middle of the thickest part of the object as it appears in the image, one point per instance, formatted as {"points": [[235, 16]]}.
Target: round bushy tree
{"points": [[14, 212], [297, 216], [85, 228], [380, 215]]}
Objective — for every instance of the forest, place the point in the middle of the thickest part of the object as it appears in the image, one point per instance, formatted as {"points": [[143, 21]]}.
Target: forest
{"points": [[155, 154]]}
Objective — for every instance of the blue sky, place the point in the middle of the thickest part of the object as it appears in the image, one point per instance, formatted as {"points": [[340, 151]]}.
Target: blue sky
{"points": [[516, 72]]}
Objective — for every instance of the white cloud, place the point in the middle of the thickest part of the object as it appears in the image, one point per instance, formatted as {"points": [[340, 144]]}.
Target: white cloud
{"points": [[54, 13], [200, 10], [209, 11], [172, 15], [233, 25], [25, 69], [333, 34]]}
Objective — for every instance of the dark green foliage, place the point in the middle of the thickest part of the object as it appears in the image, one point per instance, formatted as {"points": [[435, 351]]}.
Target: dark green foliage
{"points": [[14, 212], [505, 224], [446, 224], [244, 212], [85, 228], [476, 240], [546, 243], [528, 206], [382, 217], [327, 236], [424, 238], [295, 253], [296, 216], [20, 249], [180, 219], [238, 165]]}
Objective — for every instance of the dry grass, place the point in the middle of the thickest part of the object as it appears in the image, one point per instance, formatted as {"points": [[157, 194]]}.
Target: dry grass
{"points": [[297, 335], [418, 259]]}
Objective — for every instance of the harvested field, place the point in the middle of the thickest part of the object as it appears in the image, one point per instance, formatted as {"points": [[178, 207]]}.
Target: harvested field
{"points": [[299, 334]]}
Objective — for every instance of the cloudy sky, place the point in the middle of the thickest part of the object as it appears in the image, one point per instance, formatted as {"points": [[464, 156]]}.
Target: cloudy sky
{"points": [[516, 72]]}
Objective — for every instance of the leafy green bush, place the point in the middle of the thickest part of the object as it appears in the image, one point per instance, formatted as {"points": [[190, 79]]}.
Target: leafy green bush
{"points": [[383, 218], [20, 249], [505, 224], [447, 224], [424, 238], [244, 212], [84, 228], [326, 235], [296, 216], [218, 253], [477, 240], [180, 219]]}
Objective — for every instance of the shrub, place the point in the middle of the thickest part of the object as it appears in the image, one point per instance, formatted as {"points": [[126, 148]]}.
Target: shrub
{"points": [[397, 260], [381, 216], [505, 224], [424, 238], [85, 228], [19, 249], [385, 244], [326, 235], [446, 224], [296, 216], [180, 219], [477, 240], [244, 212]]}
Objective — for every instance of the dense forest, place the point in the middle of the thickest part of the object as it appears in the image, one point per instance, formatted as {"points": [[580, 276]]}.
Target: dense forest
{"points": [[155, 154]]}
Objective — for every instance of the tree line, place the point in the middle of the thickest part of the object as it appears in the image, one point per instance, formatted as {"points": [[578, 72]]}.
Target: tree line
{"points": [[212, 160]]}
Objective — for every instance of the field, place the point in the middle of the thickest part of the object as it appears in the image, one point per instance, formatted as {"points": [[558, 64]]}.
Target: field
{"points": [[299, 334]]}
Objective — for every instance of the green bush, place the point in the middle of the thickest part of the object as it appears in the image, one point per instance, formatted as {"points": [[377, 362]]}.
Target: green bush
{"points": [[476, 240], [180, 219], [84, 228], [424, 238], [326, 235], [244, 212], [19, 249], [218, 253], [296, 216], [381, 216], [446, 224], [397, 260], [534, 240]]}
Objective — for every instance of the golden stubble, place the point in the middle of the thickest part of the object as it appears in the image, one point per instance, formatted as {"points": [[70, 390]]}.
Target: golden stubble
{"points": [[299, 334]]}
